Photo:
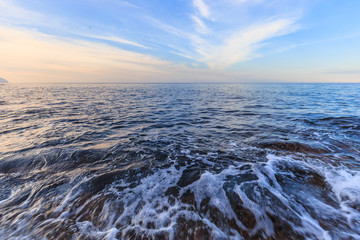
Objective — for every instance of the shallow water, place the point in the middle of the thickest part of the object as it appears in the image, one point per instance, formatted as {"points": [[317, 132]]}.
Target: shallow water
{"points": [[196, 161]]}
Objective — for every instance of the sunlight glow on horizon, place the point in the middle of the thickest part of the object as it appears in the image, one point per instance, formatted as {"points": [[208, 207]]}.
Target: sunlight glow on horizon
{"points": [[181, 41]]}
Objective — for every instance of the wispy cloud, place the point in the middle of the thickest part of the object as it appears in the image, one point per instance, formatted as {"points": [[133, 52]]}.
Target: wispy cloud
{"points": [[126, 3], [168, 28], [200, 25], [12, 13], [217, 43], [61, 59], [114, 39], [202, 8], [141, 40], [30, 56], [236, 38], [241, 46]]}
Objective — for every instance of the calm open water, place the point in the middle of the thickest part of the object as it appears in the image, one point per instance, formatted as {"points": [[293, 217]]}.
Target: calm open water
{"points": [[181, 161]]}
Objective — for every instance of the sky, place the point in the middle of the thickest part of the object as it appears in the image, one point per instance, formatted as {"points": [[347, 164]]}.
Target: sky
{"points": [[181, 41]]}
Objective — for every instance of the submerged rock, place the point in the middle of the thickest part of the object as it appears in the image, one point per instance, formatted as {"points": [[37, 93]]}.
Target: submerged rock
{"points": [[293, 147], [189, 176], [191, 229]]}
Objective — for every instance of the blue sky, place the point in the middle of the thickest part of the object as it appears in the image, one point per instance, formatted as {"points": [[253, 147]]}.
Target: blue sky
{"points": [[180, 41]]}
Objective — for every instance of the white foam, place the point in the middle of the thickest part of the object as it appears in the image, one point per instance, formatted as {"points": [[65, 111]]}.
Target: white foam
{"points": [[148, 211], [151, 193], [345, 185]]}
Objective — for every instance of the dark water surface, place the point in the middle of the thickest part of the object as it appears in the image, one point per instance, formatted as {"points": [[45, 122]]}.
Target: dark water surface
{"points": [[265, 161]]}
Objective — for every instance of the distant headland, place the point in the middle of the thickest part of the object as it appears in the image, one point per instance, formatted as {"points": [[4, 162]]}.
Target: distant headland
{"points": [[3, 81]]}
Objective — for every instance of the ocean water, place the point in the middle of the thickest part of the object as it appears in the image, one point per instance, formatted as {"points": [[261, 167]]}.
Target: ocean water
{"points": [[180, 161]]}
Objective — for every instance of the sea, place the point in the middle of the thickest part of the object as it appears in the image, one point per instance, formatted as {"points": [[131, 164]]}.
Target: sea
{"points": [[180, 161]]}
